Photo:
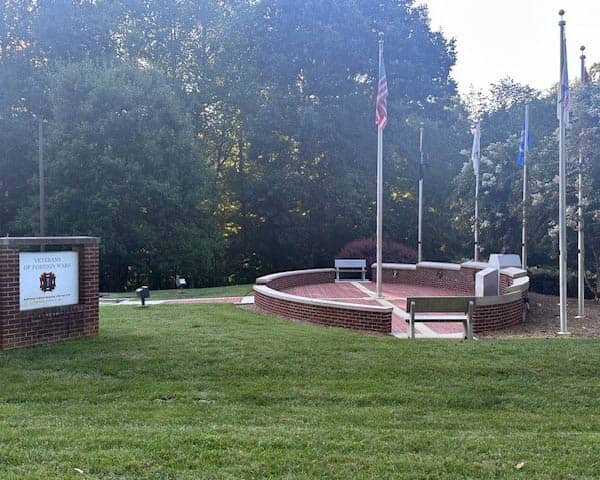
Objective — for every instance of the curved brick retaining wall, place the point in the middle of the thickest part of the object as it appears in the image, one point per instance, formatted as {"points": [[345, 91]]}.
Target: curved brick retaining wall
{"points": [[491, 313], [298, 278], [268, 297]]}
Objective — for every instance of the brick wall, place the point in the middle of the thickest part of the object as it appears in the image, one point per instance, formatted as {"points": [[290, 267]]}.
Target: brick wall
{"points": [[496, 317], [355, 319], [48, 325], [505, 282], [301, 279], [374, 322], [462, 280]]}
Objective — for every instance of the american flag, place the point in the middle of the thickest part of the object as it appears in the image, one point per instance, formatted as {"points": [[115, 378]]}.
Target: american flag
{"points": [[382, 94]]}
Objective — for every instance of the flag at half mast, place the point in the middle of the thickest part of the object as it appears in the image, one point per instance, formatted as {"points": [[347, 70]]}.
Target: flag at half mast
{"points": [[562, 106], [382, 94]]}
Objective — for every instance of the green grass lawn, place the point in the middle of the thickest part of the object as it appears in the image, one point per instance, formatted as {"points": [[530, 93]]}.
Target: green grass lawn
{"points": [[229, 291], [197, 391]]}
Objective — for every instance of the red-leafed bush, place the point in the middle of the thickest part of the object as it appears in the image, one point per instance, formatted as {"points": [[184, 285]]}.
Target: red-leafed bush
{"points": [[392, 252]]}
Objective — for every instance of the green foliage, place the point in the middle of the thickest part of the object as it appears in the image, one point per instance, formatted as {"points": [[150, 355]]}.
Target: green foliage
{"points": [[501, 187], [225, 140], [124, 165]]}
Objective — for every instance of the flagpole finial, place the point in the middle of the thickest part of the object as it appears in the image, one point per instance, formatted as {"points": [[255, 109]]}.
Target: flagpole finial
{"points": [[381, 36], [582, 48], [561, 12]]}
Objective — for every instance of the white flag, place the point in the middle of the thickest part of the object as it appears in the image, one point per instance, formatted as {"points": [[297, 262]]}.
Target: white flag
{"points": [[476, 151]]}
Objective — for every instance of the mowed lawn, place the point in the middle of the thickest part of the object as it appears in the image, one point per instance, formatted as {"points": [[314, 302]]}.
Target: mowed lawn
{"points": [[197, 391], [176, 294]]}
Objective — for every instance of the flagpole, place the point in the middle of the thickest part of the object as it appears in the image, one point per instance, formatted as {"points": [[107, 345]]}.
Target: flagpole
{"points": [[562, 196], [580, 224], [525, 155], [379, 189], [476, 254], [476, 158], [420, 239]]}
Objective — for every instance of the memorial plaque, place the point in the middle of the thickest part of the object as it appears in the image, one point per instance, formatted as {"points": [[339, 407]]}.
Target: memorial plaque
{"points": [[48, 279], [487, 282]]}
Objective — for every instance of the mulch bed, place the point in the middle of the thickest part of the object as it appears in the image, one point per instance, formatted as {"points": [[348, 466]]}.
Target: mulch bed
{"points": [[543, 320]]}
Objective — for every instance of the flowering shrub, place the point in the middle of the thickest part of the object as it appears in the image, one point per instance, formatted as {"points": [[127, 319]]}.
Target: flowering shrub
{"points": [[392, 252]]}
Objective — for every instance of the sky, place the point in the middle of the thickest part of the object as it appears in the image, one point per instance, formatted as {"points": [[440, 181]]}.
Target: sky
{"points": [[516, 38]]}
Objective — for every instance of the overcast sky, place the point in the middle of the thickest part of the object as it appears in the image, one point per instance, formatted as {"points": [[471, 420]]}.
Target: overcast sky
{"points": [[516, 38]]}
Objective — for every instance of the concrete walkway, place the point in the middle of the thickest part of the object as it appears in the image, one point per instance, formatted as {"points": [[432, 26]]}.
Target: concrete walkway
{"points": [[186, 301]]}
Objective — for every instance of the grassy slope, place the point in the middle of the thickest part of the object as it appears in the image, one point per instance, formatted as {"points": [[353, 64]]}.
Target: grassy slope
{"points": [[216, 392], [229, 291]]}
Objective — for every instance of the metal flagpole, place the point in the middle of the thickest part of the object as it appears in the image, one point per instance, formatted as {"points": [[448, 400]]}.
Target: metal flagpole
{"points": [[525, 155], [580, 225], [476, 254], [41, 175], [379, 189], [476, 158], [562, 196], [420, 239]]}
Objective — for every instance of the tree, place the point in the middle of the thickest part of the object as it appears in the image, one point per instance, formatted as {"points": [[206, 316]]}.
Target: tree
{"points": [[124, 165], [501, 179]]}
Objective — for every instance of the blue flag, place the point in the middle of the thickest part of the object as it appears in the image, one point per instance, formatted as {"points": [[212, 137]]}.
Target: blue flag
{"points": [[525, 141]]}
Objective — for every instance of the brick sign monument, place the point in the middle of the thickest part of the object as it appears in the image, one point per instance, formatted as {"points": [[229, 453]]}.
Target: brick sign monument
{"points": [[48, 290]]}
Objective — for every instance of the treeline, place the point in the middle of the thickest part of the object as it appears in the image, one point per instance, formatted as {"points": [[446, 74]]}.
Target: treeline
{"points": [[221, 140]]}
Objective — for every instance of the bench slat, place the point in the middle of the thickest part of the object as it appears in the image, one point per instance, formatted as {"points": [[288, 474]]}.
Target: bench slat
{"points": [[440, 304], [440, 318], [350, 263]]}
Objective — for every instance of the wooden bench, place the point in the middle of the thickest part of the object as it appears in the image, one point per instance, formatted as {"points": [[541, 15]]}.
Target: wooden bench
{"points": [[441, 309], [343, 265]]}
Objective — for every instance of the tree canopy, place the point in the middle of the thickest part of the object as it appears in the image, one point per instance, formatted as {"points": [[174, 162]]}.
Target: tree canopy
{"points": [[222, 140]]}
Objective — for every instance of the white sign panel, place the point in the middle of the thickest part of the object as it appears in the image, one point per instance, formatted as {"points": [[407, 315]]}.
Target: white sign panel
{"points": [[48, 279]]}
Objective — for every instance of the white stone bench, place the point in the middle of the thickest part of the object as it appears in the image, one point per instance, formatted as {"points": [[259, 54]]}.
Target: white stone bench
{"points": [[440, 309], [344, 265]]}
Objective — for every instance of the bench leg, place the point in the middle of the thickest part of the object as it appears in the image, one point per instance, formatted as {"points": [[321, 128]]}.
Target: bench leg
{"points": [[469, 322], [470, 329]]}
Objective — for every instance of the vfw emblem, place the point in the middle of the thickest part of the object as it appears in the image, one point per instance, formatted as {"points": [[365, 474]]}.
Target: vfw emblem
{"points": [[47, 282]]}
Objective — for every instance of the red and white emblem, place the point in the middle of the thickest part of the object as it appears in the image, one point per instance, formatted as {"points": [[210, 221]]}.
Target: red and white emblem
{"points": [[47, 282]]}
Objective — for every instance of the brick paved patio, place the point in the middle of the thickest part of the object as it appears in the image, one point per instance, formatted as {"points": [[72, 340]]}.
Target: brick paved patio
{"points": [[363, 293]]}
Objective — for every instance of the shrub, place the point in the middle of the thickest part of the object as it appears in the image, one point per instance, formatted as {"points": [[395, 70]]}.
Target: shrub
{"points": [[392, 252], [546, 281]]}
